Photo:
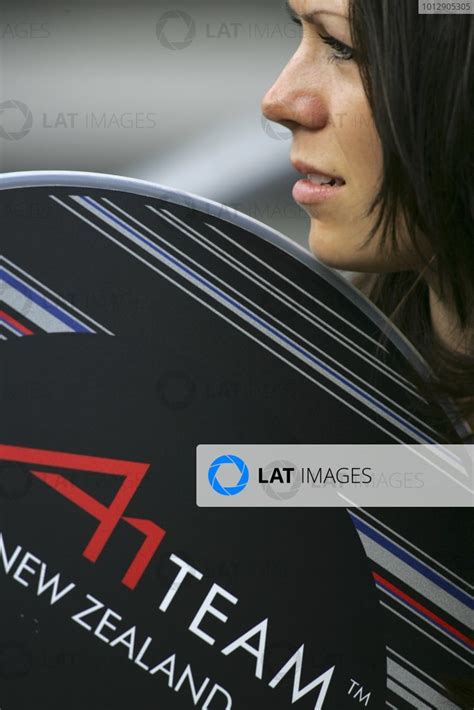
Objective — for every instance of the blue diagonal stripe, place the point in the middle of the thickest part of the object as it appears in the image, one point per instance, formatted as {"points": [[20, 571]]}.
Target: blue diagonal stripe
{"points": [[412, 561], [34, 296]]}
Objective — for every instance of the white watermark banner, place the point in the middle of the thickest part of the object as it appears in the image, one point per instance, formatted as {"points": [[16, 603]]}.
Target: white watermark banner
{"points": [[328, 475]]}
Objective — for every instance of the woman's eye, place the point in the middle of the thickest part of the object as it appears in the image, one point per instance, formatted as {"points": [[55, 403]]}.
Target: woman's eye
{"points": [[341, 51]]}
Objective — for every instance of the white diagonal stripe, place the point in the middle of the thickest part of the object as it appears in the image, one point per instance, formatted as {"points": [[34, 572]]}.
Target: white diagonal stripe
{"points": [[415, 580], [228, 320], [35, 313], [284, 298], [410, 544], [11, 329], [406, 695], [425, 633], [418, 686], [291, 347], [262, 310], [70, 306], [174, 264]]}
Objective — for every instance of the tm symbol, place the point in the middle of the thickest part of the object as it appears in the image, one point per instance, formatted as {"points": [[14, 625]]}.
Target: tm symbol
{"points": [[356, 691]]}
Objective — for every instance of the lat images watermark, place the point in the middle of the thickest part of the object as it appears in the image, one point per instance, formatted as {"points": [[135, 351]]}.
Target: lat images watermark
{"points": [[264, 210], [178, 389], [98, 120], [24, 30], [324, 475], [20, 206], [279, 479], [16, 660], [177, 29], [16, 120], [342, 120]]}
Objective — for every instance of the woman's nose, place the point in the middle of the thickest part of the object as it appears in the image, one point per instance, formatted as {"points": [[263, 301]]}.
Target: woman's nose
{"points": [[296, 99]]}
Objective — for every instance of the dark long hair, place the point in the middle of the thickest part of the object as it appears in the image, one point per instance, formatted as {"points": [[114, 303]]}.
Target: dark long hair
{"points": [[417, 74]]}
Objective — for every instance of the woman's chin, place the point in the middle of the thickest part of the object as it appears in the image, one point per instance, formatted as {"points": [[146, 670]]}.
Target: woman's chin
{"points": [[335, 251], [344, 250]]}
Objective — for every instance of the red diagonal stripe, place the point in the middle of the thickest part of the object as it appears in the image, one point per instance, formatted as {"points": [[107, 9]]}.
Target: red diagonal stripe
{"points": [[412, 602], [19, 326]]}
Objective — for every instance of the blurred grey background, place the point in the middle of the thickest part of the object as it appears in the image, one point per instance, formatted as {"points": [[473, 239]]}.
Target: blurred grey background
{"points": [[167, 92]]}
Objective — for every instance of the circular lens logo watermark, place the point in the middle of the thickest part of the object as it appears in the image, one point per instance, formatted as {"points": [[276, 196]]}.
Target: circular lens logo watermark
{"points": [[23, 118], [274, 130], [16, 660], [274, 488], [176, 389], [233, 461], [189, 26]]}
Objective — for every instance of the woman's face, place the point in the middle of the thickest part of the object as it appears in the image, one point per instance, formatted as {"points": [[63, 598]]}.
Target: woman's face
{"points": [[319, 96]]}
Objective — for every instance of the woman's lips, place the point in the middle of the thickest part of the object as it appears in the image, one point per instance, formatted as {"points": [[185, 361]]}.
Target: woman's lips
{"points": [[317, 186], [307, 192]]}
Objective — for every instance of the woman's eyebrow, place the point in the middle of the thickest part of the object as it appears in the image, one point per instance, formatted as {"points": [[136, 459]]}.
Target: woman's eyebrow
{"points": [[310, 16]]}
